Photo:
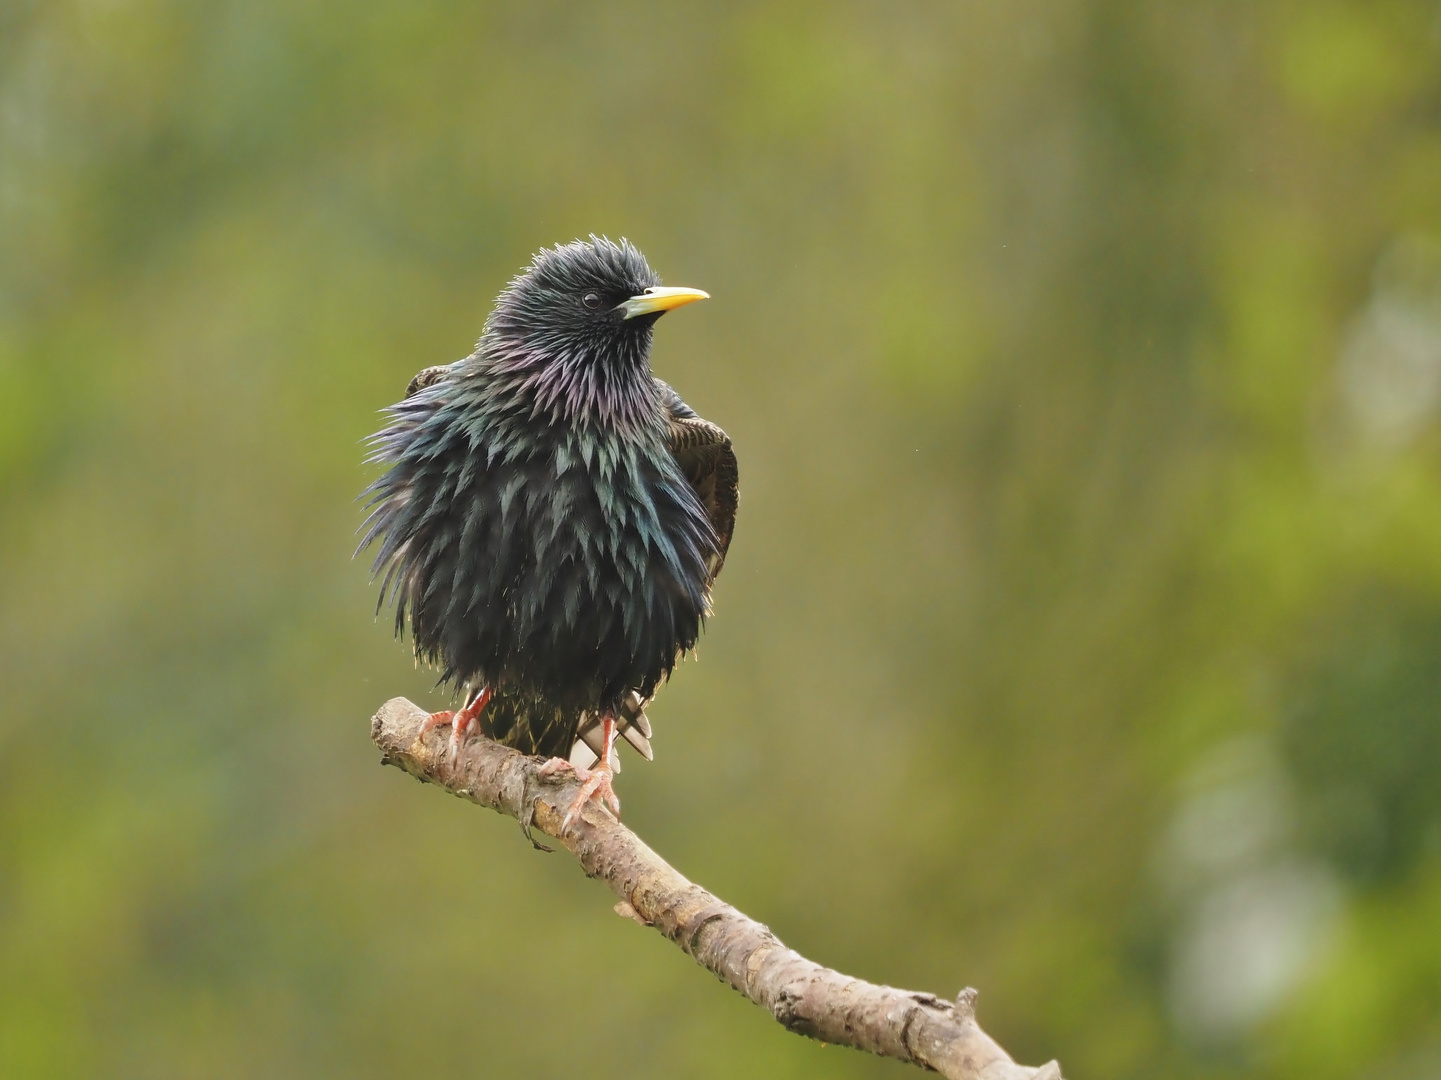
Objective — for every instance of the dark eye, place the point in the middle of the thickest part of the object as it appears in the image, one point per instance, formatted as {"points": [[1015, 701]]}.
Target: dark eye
{"points": [[591, 300]]}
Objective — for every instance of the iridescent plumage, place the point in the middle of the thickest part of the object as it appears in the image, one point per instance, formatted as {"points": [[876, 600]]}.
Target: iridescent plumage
{"points": [[551, 516]]}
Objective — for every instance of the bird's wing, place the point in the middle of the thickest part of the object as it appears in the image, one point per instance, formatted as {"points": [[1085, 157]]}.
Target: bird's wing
{"points": [[705, 455], [429, 377]]}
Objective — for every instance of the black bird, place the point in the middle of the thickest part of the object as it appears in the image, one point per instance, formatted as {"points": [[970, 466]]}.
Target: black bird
{"points": [[552, 516]]}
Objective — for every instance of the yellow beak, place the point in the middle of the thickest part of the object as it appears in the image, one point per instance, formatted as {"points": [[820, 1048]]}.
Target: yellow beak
{"points": [[660, 298]]}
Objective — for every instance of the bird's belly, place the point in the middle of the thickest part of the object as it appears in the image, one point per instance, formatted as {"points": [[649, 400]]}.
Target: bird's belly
{"points": [[582, 596]]}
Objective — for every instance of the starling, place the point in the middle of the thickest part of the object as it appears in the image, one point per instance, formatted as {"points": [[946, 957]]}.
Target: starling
{"points": [[552, 516]]}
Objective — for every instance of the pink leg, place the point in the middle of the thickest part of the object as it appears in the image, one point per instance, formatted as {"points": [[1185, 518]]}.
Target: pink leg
{"points": [[467, 718], [595, 783], [460, 721]]}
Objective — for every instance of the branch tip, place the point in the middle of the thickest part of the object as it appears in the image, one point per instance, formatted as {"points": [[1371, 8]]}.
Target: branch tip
{"points": [[966, 1004]]}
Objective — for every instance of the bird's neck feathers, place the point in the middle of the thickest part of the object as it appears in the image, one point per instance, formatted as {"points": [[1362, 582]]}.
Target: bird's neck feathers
{"points": [[606, 387]]}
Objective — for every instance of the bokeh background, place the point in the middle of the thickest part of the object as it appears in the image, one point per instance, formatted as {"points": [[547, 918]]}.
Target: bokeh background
{"points": [[1081, 638]]}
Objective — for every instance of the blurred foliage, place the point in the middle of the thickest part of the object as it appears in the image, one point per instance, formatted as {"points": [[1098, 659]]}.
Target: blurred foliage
{"points": [[1377, 803], [1081, 639]]}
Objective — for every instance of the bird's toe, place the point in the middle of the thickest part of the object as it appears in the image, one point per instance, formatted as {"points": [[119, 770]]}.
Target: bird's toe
{"points": [[435, 720]]}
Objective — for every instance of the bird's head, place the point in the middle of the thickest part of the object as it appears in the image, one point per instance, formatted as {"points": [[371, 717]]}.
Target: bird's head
{"points": [[587, 303]]}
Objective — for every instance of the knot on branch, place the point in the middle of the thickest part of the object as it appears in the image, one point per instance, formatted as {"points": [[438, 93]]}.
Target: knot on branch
{"points": [[789, 1010]]}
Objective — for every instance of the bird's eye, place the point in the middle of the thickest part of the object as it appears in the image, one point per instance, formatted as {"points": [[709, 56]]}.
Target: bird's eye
{"points": [[591, 300]]}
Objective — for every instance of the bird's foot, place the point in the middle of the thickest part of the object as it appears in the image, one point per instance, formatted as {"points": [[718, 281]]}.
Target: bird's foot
{"points": [[594, 784], [460, 721]]}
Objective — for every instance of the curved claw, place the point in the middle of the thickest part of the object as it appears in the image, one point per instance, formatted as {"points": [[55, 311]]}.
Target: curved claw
{"points": [[459, 728]]}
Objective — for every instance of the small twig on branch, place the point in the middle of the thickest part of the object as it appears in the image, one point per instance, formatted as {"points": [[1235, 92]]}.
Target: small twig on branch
{"points": [[803, 996]]}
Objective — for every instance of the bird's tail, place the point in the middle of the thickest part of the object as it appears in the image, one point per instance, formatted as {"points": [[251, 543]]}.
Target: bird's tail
{"points": [[632, 725]]}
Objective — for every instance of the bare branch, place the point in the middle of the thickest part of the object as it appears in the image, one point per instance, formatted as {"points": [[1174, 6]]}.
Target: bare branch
{"points": [[803, 996]]}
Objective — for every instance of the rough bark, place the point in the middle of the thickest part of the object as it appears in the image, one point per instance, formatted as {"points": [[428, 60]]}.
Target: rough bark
{"points": [[803, 996]]}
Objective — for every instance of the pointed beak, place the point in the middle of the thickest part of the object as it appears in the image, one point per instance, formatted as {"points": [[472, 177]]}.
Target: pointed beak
{"points": [[660, 299]]}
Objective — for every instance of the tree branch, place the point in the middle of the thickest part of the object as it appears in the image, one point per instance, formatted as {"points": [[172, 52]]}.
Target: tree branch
{"points": [[803, 996]]}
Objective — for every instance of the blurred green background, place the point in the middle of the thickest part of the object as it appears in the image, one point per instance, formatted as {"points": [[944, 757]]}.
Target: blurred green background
{"points": [[1081, 638]]}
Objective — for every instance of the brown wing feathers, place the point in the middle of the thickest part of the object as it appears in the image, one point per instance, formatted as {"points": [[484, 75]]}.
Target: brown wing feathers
{"points": [[706, 457]]}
